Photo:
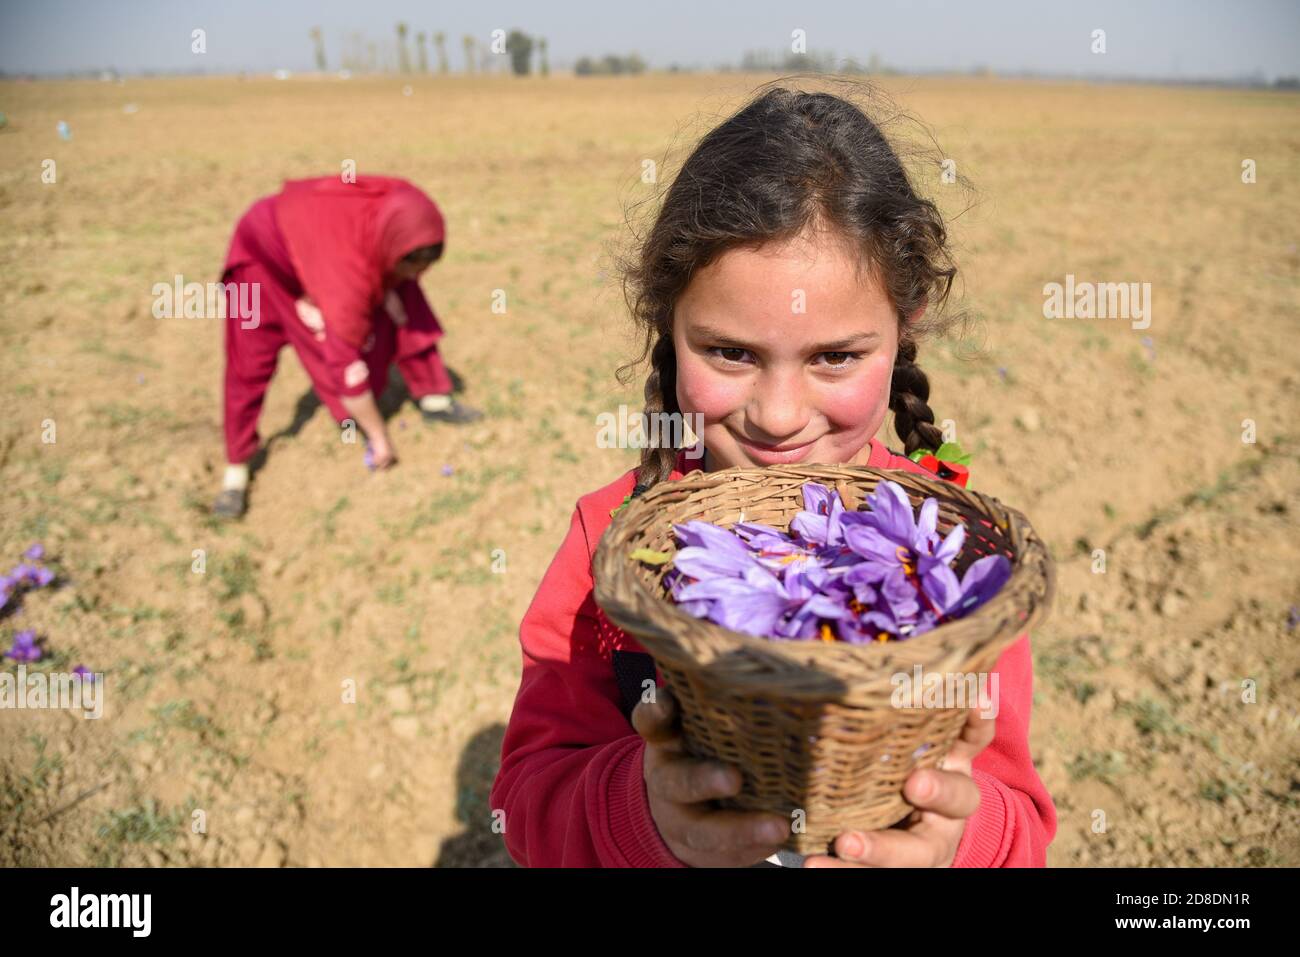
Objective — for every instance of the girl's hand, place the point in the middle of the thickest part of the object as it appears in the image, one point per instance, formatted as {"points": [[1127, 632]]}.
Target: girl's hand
{"points": [[680, 788], [930, 835], [310, 317]]}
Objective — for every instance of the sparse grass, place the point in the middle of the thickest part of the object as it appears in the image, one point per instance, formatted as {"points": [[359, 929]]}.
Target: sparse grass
{"points": [[1153, 717], [325, 521], [236, 573], [1106, 766], [97, 348], [1219, 790], [22, 794], [120, 831]]}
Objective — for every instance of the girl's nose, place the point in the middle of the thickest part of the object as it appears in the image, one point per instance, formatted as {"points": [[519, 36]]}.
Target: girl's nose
{"points": [[777, 410]]}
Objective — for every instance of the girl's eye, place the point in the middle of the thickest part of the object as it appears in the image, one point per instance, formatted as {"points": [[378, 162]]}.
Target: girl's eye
{"points": [[840, 360], [731, 355]]}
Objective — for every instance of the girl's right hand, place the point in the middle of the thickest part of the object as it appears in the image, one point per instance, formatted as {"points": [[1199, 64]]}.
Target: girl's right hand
{"points": [[680, 787]]}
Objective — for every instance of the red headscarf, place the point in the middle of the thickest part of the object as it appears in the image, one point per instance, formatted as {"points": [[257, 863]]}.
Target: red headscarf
{"points": [[345, 238]]}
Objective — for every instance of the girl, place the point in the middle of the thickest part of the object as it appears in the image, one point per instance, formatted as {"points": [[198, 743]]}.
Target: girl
{"points": [[796, 199], [331, 268]]}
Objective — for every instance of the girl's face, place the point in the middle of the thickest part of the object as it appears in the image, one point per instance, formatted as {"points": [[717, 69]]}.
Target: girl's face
{"points": [[786, 354]]}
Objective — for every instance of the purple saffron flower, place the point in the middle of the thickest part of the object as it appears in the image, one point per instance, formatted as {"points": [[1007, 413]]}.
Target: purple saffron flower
{"points": [[753, 603], [35, 553], [980, 583], [771, 547], [819, 522], [33, 575], [446, 470], [900, 537], [813, 598], [85, 673], [369, 457], [761, 604], [24, 647], [705, 534]]}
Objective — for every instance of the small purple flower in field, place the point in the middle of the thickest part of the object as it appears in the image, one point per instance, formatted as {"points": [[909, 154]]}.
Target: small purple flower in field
{"points": [[35, 553], [369, 457], [24, 647], [35, 575], [1293, 618], [447, 470], [26, 572], [1002, 371], [85, 673]]}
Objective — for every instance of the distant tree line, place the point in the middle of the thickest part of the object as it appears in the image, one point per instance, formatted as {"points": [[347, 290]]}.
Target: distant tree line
{"points": [[359, 54], [609, 65], [764, 61]]}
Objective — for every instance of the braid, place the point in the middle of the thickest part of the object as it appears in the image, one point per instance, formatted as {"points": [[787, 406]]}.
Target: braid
{"points": [[909, 392], [660, 396]]}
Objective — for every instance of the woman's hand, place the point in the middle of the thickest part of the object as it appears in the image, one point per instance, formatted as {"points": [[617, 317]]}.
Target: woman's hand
{"points": [[364, 410], [310, 317], [382, 455], [680, 788], [944, 800]]}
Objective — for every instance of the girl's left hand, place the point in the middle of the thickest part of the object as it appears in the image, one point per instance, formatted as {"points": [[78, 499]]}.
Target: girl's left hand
{"points": [[944, 799]]}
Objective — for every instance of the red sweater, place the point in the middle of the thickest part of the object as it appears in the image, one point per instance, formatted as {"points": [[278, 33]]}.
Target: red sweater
{"points": [[570, 781]]}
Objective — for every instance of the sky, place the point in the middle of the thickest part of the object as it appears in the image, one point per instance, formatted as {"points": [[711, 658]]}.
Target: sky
{"points": [[1192, 39]]}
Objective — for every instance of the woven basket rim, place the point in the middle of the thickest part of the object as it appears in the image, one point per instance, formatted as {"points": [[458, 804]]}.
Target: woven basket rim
{"points": [[999, 606]]}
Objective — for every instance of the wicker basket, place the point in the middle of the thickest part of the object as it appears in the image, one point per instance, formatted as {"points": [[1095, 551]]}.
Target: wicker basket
{"points": [[810, 724]]}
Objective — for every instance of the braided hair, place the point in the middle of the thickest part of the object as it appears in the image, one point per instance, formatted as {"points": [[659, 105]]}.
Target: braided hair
{"points": [[786, 160]]}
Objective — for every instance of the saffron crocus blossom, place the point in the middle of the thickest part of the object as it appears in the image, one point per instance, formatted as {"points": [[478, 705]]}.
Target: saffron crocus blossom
{"points": [[980, 583], [773, 548], [35, 553], [758, 602], [24, 647], [857, 576], [38, 576], [85, 673]]}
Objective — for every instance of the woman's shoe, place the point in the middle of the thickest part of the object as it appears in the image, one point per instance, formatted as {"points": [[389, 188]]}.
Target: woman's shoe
{"points": [[455, 413], [231, 503]]}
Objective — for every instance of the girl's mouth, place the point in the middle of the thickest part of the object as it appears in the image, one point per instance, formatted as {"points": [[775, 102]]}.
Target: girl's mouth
{"points": [[775, 455]]}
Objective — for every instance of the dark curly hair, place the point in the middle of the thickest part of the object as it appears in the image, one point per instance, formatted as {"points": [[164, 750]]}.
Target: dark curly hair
{"points": [[785, 160]]}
